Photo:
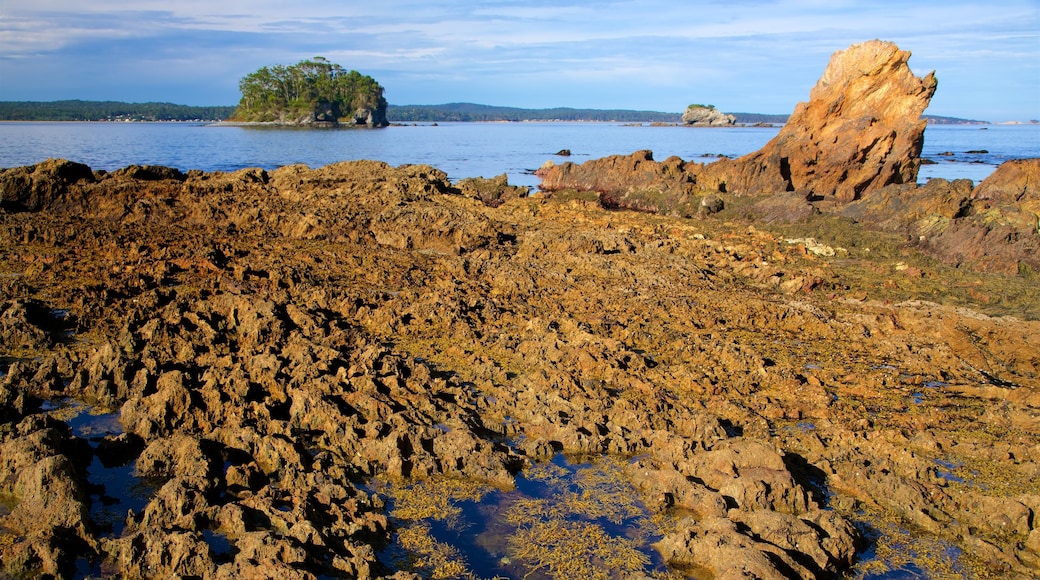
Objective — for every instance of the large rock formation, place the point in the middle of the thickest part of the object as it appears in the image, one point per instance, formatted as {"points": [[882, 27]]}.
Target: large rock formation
{"points": [[853, 149], [861, 130]]}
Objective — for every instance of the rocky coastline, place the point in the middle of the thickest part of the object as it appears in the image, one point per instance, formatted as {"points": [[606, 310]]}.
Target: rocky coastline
{"points": [[317, 372]]}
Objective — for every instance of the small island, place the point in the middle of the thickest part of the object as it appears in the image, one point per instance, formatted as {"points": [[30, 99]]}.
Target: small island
{"points": [[314, 93], [706, 116]]}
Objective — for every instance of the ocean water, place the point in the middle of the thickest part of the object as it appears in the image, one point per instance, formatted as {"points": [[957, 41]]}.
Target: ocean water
{"points": [[459, 149]]}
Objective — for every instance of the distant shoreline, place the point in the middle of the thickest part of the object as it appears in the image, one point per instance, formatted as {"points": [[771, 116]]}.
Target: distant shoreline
{"points": [[121, 112]]}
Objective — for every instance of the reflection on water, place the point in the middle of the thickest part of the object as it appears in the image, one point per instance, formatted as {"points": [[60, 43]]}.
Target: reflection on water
{"points": [[564, 519], [113, 487]]}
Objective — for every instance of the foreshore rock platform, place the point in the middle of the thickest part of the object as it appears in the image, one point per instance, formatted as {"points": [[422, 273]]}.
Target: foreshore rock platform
{"points": [[295, 356]]}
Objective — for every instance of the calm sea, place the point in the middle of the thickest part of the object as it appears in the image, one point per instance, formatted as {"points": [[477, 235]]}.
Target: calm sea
{"points": [[459, 149]]}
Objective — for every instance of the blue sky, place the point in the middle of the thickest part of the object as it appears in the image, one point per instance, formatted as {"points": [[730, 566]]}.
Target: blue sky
{"points": [[740, 55]]}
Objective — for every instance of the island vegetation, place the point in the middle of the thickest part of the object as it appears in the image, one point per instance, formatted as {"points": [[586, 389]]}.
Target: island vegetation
{"points": [[310, 92]]}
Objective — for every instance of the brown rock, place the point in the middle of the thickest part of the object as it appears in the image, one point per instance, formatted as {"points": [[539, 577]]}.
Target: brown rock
{"points": [[180, 456], [633, 181], [860, 130], [45, 184], [493, 192], [1014, 182], [162, 553], [717, 545], [272, 355]]}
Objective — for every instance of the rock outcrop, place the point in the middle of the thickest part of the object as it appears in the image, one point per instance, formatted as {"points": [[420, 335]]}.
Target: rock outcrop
{"points": [[852, 150], [281, 348], [993, 227], [706, 116], [635, 182], [860, 130]]}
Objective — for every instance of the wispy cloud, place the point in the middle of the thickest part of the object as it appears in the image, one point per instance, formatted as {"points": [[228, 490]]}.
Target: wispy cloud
{"points": [[746, 55]]}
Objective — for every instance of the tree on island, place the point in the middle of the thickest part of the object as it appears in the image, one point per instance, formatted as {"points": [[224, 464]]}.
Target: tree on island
{"points": [[311, 92]]}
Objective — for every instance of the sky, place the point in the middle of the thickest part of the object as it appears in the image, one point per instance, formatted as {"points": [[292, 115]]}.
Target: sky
{"points": [[757, 56]]}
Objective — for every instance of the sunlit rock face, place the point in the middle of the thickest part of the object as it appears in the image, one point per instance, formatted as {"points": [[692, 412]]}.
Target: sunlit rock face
{"points": [[860, 130]]}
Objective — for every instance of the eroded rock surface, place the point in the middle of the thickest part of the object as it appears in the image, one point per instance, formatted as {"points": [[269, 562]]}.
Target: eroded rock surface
{"points": [[860, 130], [853, 150], [274, 340]]}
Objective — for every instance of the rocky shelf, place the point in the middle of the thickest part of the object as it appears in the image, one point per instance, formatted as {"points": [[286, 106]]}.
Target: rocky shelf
{"points": [[368, 371]]}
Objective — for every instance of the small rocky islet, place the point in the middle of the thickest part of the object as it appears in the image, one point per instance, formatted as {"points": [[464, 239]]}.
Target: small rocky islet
{"points": [[792, 364]]}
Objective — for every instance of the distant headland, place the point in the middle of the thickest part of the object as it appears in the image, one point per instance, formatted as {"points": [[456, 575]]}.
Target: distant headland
{"points": [[118, 111]]}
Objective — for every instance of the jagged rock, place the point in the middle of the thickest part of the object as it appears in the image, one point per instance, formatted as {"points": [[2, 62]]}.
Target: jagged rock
{"points": [[277, 341], [162, 552], [706, 116], [860, 130], [717, 545], [493, 192], [426, 227], [149, 173], [47, 524], [1014, 182], [992, 227]]}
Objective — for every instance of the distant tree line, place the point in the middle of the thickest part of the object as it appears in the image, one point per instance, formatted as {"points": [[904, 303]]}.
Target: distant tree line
{"points": [[310, 91], [463, 112], [76, 110]]}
